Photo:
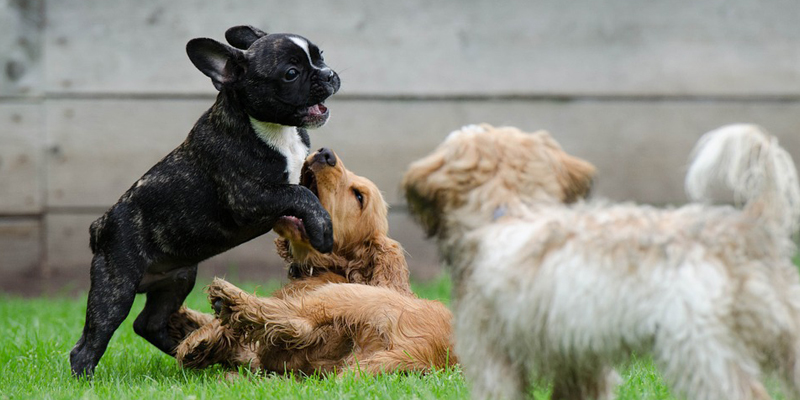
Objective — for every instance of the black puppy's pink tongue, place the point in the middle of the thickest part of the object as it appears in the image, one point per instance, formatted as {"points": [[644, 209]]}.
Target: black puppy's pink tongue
{"points": [[317, 109]]}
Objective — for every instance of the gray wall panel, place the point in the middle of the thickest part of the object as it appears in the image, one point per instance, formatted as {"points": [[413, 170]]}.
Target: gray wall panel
{"points": [[418, 47], [640, 149], [21, 160], [21, 23]]}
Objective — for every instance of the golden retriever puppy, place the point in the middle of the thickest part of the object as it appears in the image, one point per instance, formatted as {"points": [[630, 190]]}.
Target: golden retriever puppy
{"points": [[548, 286], [362, 253], [362, 250]]}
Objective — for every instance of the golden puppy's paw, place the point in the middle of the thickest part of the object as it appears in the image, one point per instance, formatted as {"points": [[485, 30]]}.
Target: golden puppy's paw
{"points": [[225, 298], [209, 345], [259, 319], [185, 321]]}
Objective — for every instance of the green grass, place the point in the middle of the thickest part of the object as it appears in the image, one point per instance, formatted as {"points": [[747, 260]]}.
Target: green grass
{"points": [[37, 335]]}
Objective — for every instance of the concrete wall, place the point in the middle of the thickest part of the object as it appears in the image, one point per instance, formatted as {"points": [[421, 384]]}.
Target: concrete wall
{"points": [[93, 92]]}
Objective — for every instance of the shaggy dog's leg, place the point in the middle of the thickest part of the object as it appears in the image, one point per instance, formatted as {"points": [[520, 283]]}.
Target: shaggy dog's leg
{"points": [[698, 365], [790, 371], [489, 368], [788, 355], [496, 377], [591, 384]]}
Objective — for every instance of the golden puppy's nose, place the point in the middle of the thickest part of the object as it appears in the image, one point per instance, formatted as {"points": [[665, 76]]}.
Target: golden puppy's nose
{"points": [[325, 155]]}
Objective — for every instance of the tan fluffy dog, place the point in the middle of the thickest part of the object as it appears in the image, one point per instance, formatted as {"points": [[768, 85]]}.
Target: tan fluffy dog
{"points": [[317, 323], [548, 290]]}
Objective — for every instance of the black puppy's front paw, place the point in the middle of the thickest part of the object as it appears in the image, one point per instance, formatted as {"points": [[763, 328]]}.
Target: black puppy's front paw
{"points": [[321, 237], [81, 365]]}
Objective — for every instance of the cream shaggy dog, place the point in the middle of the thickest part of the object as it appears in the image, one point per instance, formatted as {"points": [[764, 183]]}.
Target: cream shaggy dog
{"points": [[554, 291]]}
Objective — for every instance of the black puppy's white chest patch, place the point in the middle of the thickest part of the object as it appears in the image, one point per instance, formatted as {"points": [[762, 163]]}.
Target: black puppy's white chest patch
{"points": [[284, 140]]}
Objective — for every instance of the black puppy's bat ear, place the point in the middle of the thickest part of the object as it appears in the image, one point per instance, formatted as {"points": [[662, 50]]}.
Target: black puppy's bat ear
{"points": [[218, 61], [243, 36]]}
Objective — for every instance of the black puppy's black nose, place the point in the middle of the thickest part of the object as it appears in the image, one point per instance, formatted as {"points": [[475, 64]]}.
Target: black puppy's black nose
{"points": [[326, 155], [330, 75]]}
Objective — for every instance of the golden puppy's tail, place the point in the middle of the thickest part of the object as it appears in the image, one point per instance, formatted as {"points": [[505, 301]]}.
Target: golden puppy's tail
{"points": [[747, 160]]}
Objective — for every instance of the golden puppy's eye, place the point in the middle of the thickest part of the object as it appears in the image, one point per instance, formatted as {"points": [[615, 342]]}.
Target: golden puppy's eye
{"points": [[359, 197]]}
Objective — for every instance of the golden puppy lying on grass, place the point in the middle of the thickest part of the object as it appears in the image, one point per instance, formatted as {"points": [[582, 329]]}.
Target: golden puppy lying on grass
{"points": [[351, 309], [550, 290]]}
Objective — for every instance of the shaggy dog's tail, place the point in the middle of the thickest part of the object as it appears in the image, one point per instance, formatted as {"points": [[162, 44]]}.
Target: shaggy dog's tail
{"points": [[747, 160]]}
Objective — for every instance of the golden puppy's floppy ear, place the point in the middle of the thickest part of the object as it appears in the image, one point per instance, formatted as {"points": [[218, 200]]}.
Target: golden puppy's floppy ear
{"points": [[389, 269], [576, 178]]}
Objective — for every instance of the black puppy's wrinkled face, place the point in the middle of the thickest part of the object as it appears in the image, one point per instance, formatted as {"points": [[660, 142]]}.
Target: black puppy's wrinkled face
{"points": [[279, 78], [290, 88]]}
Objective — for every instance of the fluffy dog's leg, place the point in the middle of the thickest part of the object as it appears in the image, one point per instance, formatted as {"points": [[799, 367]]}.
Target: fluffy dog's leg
{"points": [[211, 344], [788, 354], [496, 377], [790, 371], [164, 299], [185, 321], [111, 295], [700, 365], [591, 384], [491, 371]]}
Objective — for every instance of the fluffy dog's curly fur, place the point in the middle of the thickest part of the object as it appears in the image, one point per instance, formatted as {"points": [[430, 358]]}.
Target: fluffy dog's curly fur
{"points": [[562, 292], [351, 309]]}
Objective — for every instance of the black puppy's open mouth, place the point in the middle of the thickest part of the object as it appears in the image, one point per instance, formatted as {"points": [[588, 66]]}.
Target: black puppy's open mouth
{"points": [[317, 110], [315, 116], [309, 179]]}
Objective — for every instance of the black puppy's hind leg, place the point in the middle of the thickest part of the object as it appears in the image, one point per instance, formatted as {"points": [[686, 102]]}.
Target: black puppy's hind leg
{"points": [[111, 294], [163, 299]]}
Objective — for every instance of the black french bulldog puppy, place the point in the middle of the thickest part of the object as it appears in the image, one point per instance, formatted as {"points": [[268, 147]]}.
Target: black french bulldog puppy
{"points": [[234, 176]]}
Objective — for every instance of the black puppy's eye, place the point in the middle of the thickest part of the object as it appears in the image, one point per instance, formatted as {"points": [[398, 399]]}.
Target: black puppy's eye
{"points": [[359, 197], [291, 74]]}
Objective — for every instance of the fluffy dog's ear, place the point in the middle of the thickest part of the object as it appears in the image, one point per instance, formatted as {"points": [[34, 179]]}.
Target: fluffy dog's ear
{"points": [[576, 179], [420, 195], [220, 62], [243, 36]]}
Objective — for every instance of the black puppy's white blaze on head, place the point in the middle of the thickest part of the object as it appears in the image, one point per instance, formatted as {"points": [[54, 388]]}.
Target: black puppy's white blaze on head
{"points": [[323, 69], [303, 44], [318, 113]]}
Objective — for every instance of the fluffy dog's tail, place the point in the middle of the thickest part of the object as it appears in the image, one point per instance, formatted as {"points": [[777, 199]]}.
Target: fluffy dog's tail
{"points": [[747, 160]]}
